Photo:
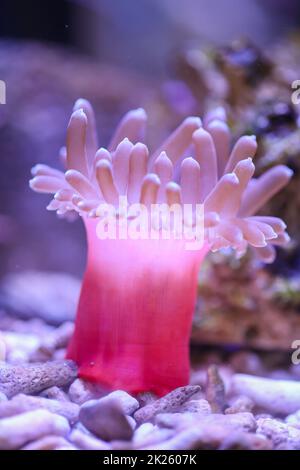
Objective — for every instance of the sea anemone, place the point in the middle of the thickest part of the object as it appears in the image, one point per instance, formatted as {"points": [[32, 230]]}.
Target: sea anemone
{"points": [[138, 295]]}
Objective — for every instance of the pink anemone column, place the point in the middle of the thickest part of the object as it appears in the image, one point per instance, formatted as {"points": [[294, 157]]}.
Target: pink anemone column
{"points": [[135, 313]]}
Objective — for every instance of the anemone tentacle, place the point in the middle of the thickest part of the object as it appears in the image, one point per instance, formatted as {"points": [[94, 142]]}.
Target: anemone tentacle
{"points": [[213, 175]]}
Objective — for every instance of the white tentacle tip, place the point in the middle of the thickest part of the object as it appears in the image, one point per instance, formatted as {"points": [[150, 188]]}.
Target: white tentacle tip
{"points": [[201, 134], [103, 164], [218, 113], [31, 183], [247, 163], [78, 115], [80, 103], [152, 178], [125, 143], [102, 154], [172, 186], [288, 172], [34, 169], [231, 178], [217, 124], [139, 113], [189, 162], [193, 122], [70, 173], [141, 146]]}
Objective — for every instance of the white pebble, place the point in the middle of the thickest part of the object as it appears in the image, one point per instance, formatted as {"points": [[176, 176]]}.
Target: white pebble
{"points": [[127, 403], [16, 431], [274, 396]]}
